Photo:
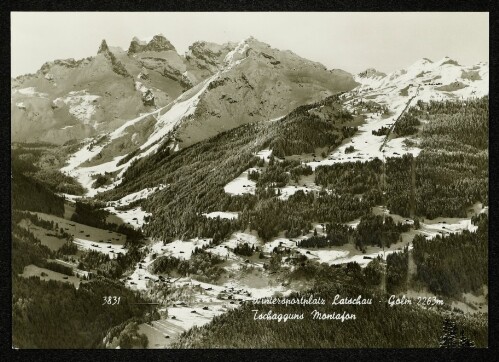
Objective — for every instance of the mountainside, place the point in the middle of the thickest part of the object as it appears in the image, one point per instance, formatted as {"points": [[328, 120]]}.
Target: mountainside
{"points": [[386, 97], [74, 99], [259, 83]]}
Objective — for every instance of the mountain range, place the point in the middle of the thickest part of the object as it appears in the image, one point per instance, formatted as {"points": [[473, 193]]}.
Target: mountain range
{"points": [[69, 99], [125, 104]]}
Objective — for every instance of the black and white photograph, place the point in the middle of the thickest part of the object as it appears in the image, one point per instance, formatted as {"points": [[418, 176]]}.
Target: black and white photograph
{"points": [[249, 180]]}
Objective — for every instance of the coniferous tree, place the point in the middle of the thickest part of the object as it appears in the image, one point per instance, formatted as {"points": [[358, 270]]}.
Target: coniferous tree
{"points": [[465, 342], [449, 337]]}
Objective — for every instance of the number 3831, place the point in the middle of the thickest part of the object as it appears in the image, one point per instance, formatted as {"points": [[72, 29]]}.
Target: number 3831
{"points": [[111, 300]]}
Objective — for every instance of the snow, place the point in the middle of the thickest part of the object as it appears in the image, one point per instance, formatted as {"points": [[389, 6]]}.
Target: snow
{"points": [[348, 253], [140, 87], [419, 79], [135, 217], [183, 249], [353, 223], [446, 226], [241, 185], [84, 174], [233, 58], [81, 105], [139, 279], [70, 197], [181, 318], [367, 146], [110, 249], [424, 71], [264, 154], [240, 238], [257, 293], [181, 109], [31, 91], [324, 256], [222, 252], [361, 259], [120, 131], [283, 242], [222, 215], [66, 127], [277, 118], [135, 196], [287, 191]]}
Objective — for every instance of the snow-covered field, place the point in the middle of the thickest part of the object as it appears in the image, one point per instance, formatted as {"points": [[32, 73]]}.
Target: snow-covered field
{"points": [[323, 256], [72, 198], [135, 216], [264, 154], [135, 196], [289, 190], [445, 226], [106, 248], [201, 310], [222, 215], [284, 242], [225, 248], [183, 249], [241, 184]]}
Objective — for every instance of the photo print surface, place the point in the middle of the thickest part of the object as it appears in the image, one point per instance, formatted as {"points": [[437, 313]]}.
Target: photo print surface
{"points": [[249, 180]]}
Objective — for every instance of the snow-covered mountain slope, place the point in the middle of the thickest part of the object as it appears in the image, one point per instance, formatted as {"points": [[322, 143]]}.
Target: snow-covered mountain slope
{"points": [[254, 83], [443, 79], [396, 92]]}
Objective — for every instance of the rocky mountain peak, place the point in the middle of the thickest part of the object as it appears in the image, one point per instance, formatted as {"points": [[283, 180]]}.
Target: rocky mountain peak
{"points": [[158, 43], [370, 73], [103, 47], [447, 60]]}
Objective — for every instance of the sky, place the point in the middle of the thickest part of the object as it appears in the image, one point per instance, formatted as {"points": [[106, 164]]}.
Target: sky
{"points": [[348, 41]]}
